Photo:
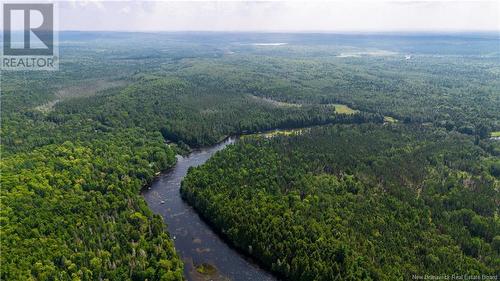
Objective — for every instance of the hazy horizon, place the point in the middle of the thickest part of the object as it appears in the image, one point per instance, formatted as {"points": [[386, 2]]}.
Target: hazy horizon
{"points": [[280, 16], [347, 32]]}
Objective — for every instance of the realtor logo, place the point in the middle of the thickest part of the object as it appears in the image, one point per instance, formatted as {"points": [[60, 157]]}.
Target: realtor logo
{"points": [[28, 37], [44, 32]]}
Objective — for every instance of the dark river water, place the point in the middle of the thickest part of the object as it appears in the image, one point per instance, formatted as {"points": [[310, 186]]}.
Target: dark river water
{"points": [[195, 241]]}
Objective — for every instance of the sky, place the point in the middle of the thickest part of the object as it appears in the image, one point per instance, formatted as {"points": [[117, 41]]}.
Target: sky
{"points": [[269, 16]]}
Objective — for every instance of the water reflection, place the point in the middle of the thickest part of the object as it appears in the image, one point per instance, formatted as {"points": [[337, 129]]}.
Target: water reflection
{"points": [[205, 255]]}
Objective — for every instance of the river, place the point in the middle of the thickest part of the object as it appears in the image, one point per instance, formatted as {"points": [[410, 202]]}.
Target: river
{"points": [[195, 242]]}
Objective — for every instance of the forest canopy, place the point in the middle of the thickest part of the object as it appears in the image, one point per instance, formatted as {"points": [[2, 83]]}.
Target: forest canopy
{"points": [[365, 202], [412, 162]]}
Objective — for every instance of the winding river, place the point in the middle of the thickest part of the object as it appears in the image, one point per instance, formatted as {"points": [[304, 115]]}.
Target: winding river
{"points": [[196, 243]]}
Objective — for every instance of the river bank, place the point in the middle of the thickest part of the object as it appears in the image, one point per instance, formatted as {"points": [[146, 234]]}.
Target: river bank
{"points": [[206, 255]]}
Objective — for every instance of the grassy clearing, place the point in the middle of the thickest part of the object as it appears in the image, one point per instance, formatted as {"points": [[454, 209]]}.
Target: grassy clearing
{"points": [[390, 119], [344, 109], [274, 133], [495, 134], [283, 133]]}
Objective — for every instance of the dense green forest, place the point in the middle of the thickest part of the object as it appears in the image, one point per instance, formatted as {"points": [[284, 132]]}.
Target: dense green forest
{"points": [[71, 211], [358, 202], [78, 145]]}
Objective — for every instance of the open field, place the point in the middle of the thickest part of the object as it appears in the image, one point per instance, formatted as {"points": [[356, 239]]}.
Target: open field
{"points": [[344, 109]]}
